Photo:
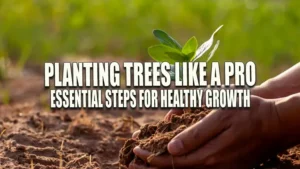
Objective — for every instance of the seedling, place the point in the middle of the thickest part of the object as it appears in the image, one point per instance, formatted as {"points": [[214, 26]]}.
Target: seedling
{"points": [[169, 50]]}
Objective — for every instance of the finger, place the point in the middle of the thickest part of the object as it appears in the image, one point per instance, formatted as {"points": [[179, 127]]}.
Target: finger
{"points": [[162, 161], [199, 133], [173, 112], [136, 134], [137, 166], [259, 91], [210, 155]]}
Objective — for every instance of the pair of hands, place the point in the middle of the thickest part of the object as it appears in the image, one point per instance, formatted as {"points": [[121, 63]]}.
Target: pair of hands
{"points": [[225, 139]]}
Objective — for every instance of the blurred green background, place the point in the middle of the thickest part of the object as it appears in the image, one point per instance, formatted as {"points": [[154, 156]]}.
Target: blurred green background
{"points": [[264, 31]]}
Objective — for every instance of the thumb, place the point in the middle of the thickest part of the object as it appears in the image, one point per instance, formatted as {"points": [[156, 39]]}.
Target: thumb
{"points": [[198, 134]]}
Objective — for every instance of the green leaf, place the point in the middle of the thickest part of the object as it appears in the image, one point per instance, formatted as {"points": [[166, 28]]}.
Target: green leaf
{"points": [[177, 56], [206, 45], [165, 39], [190, 48], [163, 53]]}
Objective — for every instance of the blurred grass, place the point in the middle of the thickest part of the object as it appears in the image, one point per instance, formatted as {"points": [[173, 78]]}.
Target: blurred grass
{"points": [[265, 31]]}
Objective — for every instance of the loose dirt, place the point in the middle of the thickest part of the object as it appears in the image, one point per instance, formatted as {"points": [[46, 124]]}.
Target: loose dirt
{"points": [[56, 140], [34, 136]]}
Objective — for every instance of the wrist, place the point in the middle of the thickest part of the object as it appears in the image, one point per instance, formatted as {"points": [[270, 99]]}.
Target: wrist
{"points": [[271, 122]]}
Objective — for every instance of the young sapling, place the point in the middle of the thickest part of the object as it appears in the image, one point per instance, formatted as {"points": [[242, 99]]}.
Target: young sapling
{"points": [[169, 50]]}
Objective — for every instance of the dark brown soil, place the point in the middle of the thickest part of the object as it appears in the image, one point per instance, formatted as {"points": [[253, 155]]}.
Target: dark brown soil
{"points": [[155, 138]]}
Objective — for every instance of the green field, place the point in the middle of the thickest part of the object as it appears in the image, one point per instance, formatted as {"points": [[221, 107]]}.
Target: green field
{"points": [[266, 31]]}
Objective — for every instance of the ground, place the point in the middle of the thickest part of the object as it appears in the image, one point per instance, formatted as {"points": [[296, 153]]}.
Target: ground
{"points": [[34, 136]]}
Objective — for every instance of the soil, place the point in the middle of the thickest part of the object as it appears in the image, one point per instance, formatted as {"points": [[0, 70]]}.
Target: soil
{"points": [[34, 136], [57, 140]]}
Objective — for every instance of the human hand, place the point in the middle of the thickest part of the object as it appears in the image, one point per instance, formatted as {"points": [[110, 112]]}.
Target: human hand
{"points": [[179, 111], [224, 139], [255, 91]]}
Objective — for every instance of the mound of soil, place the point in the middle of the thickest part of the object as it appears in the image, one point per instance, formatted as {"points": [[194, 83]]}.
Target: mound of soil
{"points": [[155, 138]]}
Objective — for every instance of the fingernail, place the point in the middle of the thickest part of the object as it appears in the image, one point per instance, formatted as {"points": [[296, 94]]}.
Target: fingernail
{"points": [[136, 148], [175, 147], [136, 134]]}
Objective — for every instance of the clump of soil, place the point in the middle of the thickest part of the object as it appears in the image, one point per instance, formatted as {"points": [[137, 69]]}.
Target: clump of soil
{"points": [[155, 138]]}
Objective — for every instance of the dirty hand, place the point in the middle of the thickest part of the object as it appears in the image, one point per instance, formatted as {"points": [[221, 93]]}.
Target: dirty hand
{"points": [[224, 139], [255, 91]]}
